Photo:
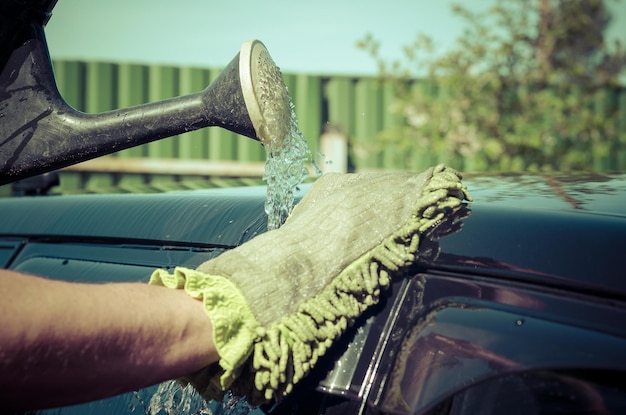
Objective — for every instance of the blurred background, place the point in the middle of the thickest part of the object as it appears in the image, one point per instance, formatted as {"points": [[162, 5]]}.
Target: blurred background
{"points": [[482, 85]]}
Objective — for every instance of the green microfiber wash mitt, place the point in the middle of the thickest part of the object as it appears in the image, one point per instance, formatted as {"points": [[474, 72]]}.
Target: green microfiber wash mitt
{"points": [[279, 301]]}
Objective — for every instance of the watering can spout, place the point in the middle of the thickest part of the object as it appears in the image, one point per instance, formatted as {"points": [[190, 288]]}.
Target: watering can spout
{"points": [[40, 132]]}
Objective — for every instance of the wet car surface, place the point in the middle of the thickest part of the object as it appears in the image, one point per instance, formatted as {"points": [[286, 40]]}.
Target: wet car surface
{"points": [[516, 304]]}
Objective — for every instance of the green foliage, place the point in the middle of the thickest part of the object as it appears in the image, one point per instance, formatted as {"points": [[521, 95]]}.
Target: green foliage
{"points": [[530, 85]]}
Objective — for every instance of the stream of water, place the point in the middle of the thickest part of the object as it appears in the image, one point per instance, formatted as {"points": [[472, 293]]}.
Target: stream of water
{"points": [[287, 152], [285, 170]]}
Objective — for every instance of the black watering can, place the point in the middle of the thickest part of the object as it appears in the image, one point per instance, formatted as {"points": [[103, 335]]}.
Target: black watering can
{"points": [[40, 132]]}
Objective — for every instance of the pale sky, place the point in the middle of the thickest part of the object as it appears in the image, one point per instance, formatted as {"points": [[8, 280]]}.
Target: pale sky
{"points": [[314, 36]]}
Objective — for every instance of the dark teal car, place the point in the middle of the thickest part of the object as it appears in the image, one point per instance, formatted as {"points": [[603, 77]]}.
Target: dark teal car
{"points": [[517, 306]]}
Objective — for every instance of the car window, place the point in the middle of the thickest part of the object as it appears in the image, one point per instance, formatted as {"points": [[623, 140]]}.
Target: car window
{"points": [[542, 393], [8, 248], [100, 262]]}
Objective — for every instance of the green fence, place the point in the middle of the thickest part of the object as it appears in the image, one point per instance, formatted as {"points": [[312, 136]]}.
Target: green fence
{"points": [[358, 106]]}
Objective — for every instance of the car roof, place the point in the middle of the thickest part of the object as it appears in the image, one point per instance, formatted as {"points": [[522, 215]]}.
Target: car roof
{"points": [[563, 231], [592, 193]]}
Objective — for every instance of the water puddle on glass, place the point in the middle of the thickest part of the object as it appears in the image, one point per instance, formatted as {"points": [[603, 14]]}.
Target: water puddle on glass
{"points": [[172, 398]]}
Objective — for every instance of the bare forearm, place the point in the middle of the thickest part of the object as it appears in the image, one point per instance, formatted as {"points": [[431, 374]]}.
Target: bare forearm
{"points": [[74, 342]]}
